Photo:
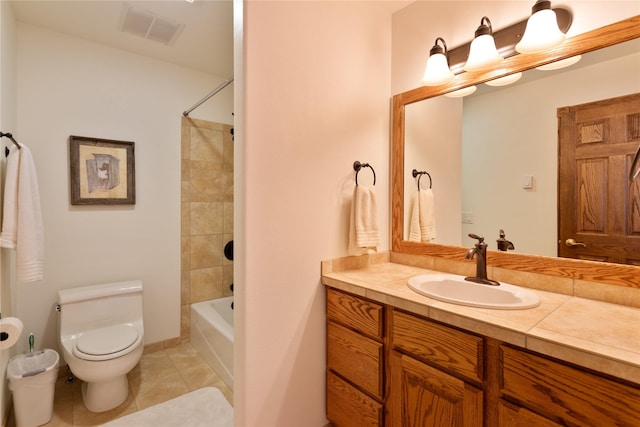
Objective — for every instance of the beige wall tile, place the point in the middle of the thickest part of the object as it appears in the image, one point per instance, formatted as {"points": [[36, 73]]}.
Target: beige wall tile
{"points": [[185, 188], [209, 178], [185, 276], [561, 285], [205, 284], [414, 260], [206, 218], [206, 250], [185, 252], [185, 170], [185, 218], [206, 144], [185, 136], [227, 214], [185, 321], [609, 293]]}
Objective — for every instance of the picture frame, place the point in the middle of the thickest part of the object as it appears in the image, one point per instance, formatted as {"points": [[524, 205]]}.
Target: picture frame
{"points": [[102, 171]]}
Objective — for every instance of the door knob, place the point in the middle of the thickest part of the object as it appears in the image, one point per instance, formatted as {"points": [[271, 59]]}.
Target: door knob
{"points": [[572, 243]]}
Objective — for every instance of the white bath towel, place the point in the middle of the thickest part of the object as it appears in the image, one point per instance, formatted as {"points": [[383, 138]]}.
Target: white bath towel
{"points": [[22, 228], [364, 232], [422, 222]]}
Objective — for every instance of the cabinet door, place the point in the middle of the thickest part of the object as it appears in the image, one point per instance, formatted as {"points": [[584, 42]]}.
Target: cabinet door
{"points": [[422, 396]]}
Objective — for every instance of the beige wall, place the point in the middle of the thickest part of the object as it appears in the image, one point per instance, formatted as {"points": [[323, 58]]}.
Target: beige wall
{"points": [[207, 214], [316, 94]]}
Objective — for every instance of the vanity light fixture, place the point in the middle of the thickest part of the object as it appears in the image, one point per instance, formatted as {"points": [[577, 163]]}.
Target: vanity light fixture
{"points": [[563, 63], [461, 92], [506, 80], [542, 31], [455, 61], [483, 52], [437, 71]]}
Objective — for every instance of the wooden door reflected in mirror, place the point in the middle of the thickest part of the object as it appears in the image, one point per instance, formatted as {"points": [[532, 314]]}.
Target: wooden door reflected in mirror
{"points": [[598, 217]]}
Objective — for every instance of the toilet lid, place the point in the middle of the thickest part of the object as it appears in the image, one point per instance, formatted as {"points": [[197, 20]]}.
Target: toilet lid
{"points": [[111, 339]]}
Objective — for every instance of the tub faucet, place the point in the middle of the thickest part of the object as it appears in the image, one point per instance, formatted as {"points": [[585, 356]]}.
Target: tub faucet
{"points": [[479, 250]]}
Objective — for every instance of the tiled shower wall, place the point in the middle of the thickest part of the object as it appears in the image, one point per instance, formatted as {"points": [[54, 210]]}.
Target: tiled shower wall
{"points": [[207, 214]]}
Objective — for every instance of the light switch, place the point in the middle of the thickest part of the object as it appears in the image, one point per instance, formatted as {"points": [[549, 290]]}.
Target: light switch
{"points": [[467, 217], [527, 182]]}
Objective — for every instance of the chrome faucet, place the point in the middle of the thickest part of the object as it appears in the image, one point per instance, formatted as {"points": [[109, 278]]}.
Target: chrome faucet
{"points": [[479, 250]]}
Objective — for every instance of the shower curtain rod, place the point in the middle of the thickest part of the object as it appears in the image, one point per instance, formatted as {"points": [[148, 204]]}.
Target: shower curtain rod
{"points": [[209, 95]]}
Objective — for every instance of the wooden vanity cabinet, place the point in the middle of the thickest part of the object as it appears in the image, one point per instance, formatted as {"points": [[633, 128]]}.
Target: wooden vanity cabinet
{"points": [[388, 367], [355, 361], [436, 374]]}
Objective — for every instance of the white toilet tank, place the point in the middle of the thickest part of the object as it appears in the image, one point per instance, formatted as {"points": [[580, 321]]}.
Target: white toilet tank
{"points": [[96, 306]]}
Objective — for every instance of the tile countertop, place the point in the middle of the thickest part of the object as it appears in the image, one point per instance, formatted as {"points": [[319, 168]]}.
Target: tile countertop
{"points": [[598, 335]]}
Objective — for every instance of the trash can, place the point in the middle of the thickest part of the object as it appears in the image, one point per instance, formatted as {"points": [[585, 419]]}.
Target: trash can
{"points": [[32, 379]]}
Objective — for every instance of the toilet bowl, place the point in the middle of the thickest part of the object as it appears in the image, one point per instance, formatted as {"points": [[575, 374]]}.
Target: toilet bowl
{"points": [[101, 337]]}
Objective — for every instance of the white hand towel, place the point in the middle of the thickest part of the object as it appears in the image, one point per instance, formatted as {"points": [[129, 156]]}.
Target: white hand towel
{"points": [[22, 228], [422, 222], [414, 219], [427, 215], [364, 233]]}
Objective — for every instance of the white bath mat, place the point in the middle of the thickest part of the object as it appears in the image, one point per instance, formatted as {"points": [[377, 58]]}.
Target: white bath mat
{"points": [[206, 407]]}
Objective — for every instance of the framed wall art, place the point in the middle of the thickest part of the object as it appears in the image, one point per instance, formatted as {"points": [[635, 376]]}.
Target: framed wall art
{"points": [[102, 171]]}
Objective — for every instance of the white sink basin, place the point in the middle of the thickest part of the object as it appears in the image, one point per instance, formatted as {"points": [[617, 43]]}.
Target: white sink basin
{"points": [[454, 289]]}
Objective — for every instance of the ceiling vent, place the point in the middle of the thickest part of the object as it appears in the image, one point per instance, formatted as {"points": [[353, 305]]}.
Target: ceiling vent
{"points": [[148, 25]]}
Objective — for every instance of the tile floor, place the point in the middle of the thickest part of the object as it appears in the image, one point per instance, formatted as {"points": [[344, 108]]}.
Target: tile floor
{"points": [[160, 376]]}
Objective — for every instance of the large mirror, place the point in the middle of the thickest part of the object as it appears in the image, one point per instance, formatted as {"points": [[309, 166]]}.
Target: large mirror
{"points": [[507, 150], [423, 102]]}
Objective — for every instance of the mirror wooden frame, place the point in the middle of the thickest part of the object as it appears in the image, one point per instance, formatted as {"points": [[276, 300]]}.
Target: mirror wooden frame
{"points": [[613, 274]]}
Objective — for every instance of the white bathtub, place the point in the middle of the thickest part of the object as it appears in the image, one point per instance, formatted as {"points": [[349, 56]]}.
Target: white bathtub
{"points": [[212, 335]]}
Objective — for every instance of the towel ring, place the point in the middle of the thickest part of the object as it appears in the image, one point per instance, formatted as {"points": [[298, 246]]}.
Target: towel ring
{"points": [[357, 166], [419, 175], [10, 136]]}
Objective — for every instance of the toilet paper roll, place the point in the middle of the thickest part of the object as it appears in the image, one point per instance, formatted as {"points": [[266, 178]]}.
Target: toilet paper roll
{"points": [[10, 330]]}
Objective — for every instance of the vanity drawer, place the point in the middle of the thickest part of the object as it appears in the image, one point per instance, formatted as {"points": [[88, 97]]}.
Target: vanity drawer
{"points": [[450, 349], [566, 393], [349, 407], [356, 358], [354, 312]]}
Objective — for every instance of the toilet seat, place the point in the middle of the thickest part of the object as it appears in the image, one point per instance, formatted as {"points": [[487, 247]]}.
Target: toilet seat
{"points": [[106, 343]]}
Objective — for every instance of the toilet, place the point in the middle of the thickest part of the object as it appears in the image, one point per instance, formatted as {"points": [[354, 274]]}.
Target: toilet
{"points": [[101, 338]]}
